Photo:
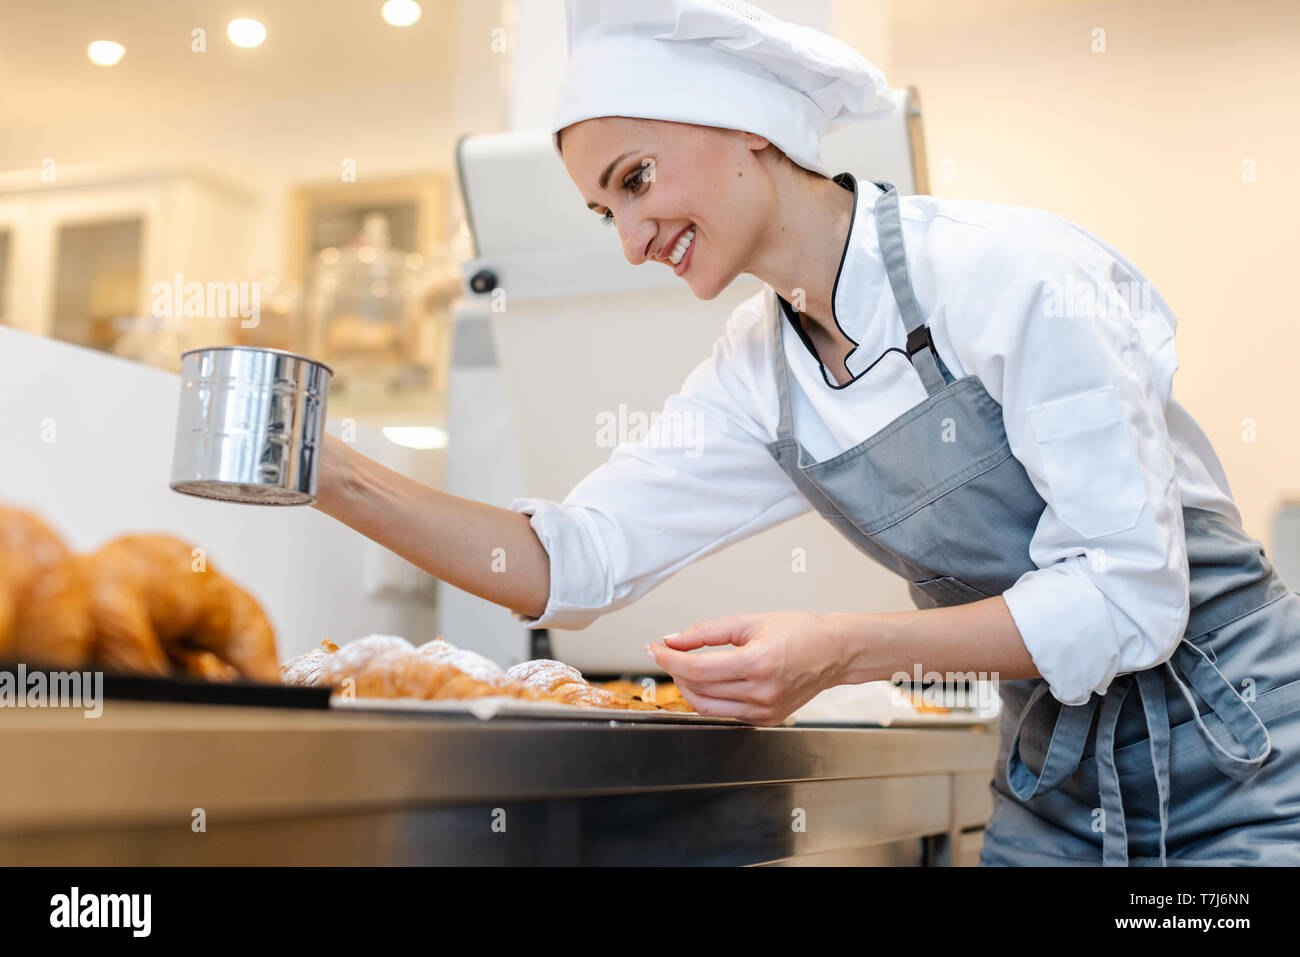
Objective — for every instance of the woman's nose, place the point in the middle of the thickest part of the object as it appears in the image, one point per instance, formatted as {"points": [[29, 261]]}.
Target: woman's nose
{"points": [[637, 242]]}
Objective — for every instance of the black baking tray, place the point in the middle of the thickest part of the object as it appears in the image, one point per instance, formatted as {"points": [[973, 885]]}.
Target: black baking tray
{"points": [[179, 689]]}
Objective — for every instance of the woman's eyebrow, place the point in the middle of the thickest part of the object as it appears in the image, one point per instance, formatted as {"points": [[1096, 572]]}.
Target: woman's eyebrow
{"points": [[609, 170]]}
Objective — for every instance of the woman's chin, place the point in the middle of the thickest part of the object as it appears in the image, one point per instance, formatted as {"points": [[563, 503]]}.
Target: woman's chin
{"points": [[705, 287]]}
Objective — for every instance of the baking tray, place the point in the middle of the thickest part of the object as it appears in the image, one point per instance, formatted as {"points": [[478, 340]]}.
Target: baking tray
{"points": [[917, 720], [500, 706], [507, 707], [179, 689]]}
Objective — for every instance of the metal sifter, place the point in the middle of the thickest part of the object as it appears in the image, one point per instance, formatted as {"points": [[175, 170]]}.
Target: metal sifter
{"points": [[250, 425]]}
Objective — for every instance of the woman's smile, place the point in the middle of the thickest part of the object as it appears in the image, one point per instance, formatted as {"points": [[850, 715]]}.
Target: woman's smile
{"points": [[689, 250]]}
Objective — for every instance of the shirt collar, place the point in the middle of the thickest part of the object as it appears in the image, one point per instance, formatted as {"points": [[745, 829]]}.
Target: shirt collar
{"points": [[854, 299]]}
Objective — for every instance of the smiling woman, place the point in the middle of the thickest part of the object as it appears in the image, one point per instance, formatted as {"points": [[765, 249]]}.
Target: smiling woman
{"points": [[747, 202], [1063, 524]]}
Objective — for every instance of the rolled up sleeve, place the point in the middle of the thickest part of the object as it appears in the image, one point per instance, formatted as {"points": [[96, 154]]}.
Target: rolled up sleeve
{"points": [[1059, 333]]}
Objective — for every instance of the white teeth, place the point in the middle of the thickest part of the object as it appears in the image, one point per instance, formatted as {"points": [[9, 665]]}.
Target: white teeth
{"points": [[675, 257]]}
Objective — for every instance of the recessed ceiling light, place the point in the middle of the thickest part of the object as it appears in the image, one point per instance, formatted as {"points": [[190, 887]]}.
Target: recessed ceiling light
{"points": [[246, 33], [401, 13], [105, 52]]}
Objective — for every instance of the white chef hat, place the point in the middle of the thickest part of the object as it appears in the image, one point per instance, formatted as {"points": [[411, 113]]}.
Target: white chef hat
{"points": [[717, 63]]}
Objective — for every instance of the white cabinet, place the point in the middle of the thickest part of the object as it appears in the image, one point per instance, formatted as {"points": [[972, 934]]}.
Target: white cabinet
{"points": [[82, 257]]}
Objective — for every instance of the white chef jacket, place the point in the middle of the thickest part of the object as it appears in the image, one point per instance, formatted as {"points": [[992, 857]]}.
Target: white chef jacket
{"points": [[1004, 289]]}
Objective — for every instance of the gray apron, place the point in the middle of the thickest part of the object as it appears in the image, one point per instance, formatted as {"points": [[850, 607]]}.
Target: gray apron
{"points": [[1144, 766]]}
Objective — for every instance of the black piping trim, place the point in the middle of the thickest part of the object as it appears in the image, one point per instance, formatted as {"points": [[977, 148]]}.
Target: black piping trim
{"points": [[798, 326], [844, 254], [790, 315]]}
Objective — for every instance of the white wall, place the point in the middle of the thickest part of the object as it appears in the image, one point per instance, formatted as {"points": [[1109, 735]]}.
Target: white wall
{"points": [[106, 473], [1144, 145]]}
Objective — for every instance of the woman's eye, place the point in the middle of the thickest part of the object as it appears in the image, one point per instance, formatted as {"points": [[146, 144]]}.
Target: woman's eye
{"points": [[632, 184], [636, 180]]}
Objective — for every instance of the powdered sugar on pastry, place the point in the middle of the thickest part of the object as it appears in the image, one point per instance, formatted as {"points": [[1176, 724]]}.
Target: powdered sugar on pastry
{"points": [[470, 662], [544, 674], [584, 694], [407, 673], [352, 657], [305, 670]]}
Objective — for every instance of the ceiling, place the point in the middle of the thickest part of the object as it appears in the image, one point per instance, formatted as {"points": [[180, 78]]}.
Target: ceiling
{"points": [[313, 48]]}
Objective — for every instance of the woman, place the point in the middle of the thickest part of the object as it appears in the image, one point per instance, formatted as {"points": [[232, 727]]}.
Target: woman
{"points": [[927, 375]]}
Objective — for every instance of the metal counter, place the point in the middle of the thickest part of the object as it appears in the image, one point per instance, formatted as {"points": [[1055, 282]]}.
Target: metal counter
{"points": [[189, 784]]}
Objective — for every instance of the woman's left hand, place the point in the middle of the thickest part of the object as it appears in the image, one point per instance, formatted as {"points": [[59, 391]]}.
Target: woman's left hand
{"points": [[779, 662]]}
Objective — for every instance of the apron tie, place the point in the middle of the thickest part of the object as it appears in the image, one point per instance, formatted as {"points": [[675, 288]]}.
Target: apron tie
{"points": [[1070, 730], [1154, 706], [1228, 705], [1114, 831], [1069, 735]]}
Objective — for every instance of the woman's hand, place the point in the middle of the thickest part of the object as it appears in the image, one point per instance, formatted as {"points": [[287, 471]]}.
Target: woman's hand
{"points": [[780, 662]]}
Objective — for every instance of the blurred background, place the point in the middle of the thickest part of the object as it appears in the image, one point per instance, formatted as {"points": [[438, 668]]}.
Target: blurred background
{"points": [[304, 167]]}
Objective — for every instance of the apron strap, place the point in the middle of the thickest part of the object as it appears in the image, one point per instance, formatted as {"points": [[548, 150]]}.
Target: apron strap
{"points": [[1237, 716], [1114, 832], [1114, 843], [1069, 735], [784, 426], [920, 347], [1071, 727], [1154, 706]]}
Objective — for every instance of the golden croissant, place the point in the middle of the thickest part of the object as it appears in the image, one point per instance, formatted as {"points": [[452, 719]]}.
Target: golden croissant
{"points": [[385, 666], [44, 598], [139, 604], [153, 605]]}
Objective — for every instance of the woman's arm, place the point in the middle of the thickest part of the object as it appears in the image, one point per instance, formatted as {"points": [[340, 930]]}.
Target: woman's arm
{"points": [[701, 479], [980, 636], [487, 551], [783, 659]]}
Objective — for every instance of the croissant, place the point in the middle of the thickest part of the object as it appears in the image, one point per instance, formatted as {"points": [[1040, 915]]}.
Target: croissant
{"points": [[305, 670], [470, 662], [348, 661], [205, 665], [44, 603], [630, 688], [53, 626], [564, 683], [665, 694], [669, 697], [402, 674], [387, 666], [545, 675], [152, 610]]}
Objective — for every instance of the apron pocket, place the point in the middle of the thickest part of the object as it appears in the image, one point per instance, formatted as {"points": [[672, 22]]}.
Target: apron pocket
{"points": [[1090, 462]]}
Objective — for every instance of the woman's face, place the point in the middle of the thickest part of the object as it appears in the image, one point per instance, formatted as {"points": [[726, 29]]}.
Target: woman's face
{"points": [[661, 178]]}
